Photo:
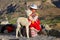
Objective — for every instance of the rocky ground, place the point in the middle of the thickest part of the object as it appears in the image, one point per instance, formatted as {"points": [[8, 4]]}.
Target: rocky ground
{"points": [[40, 37]]}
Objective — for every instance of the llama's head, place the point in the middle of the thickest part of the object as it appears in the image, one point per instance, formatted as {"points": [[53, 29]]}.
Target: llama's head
{"points": [[47, 27]]}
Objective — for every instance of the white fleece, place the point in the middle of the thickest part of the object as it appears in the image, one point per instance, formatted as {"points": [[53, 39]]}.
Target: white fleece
{"points": [[29, 12]]}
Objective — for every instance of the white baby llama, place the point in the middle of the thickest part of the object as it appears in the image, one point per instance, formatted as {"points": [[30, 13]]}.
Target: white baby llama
{"points": [[22, 21]]}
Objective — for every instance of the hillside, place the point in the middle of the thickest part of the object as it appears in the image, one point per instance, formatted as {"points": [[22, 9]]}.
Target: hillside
{"points": [[48, 11]]}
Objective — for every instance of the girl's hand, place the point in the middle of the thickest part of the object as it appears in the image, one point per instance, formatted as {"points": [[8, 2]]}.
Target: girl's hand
{"points": [[32, 22]]}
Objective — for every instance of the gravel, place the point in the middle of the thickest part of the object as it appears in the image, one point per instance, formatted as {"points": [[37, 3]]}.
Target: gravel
{"points": [[39, 37]]}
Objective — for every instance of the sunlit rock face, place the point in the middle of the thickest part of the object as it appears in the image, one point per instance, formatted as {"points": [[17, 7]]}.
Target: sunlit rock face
{"points": [[56, 3]]}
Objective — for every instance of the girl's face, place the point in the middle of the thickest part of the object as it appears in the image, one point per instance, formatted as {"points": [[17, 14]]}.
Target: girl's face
{"points": [[33, 10]]}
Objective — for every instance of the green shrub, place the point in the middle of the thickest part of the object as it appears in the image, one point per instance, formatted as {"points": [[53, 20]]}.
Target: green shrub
{"points": [[13, 21], [50, 21], [43, 0]]}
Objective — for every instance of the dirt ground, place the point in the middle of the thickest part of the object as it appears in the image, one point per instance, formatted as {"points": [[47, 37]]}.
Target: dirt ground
{"points": [[57, 27], [40, 37]]}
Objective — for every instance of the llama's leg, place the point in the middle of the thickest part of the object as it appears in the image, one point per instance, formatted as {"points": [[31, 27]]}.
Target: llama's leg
{"points": [[20, 33], [27, 31], [18, 30]]}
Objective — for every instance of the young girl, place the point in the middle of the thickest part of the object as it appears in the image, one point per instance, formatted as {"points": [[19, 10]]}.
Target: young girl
{"points": [[33, 18]]}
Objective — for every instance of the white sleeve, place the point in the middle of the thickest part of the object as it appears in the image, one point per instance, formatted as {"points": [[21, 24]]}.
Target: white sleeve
{"points": [[31, 18], [35, 18]]}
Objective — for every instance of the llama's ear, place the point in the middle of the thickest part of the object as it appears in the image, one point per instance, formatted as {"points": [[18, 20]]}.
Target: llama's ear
{"points": [[28, 12]]}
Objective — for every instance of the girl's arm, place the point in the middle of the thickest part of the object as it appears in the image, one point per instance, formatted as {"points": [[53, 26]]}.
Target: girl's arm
{"points": [[31, 18], [35, 18]]}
